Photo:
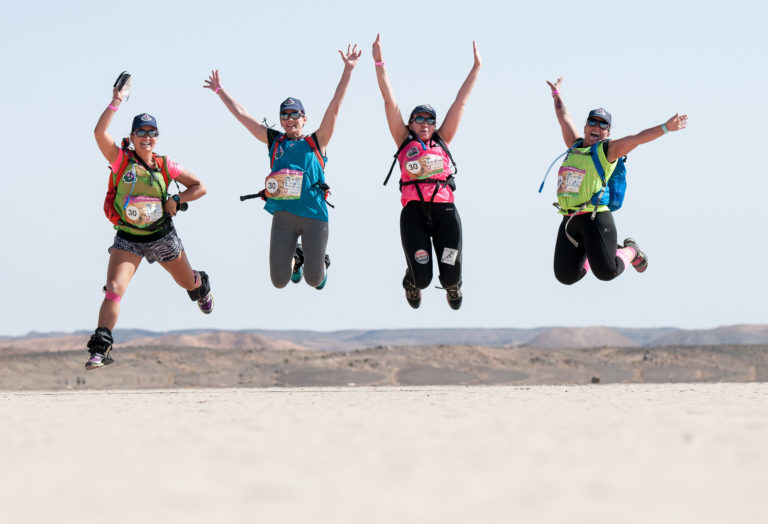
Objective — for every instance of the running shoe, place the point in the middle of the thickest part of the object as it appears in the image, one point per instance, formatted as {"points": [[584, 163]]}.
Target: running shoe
{"points": [[412, 294], [99, 346], [98, 360], [325, 278], [206, 304], [640, 262], [298, 262], [453, 295]]}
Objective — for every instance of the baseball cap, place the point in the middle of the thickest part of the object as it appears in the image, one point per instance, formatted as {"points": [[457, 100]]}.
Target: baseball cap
{"points": [[424, 108], [292, 103], [600, 113], [144, 119]]}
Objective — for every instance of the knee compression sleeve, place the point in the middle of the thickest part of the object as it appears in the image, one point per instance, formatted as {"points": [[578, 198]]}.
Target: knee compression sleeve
{"points": [[203, 289], [111, 295]]}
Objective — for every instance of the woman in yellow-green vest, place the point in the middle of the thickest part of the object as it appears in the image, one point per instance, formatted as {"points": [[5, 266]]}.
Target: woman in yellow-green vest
{"points": [[587, 236]]}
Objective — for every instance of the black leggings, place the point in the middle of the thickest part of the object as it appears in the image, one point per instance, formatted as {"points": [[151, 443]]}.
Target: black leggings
{"points": [[597, 242], [417, 235]]}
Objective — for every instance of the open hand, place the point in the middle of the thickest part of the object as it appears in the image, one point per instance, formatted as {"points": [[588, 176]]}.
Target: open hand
{"points": [[213, 83], [677, 122], [353, 54]]}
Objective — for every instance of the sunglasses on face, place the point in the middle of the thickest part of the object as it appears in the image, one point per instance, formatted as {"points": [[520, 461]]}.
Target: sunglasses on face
{"points": [[603, 125], [152, 133], [292, 116], [422, 119]]}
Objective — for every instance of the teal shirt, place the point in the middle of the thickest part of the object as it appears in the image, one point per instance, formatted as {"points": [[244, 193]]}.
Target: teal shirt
{"points": [[299, 156]]}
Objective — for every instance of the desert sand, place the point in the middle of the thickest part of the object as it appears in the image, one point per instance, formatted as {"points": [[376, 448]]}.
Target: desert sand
{"points": [[588, 453]]}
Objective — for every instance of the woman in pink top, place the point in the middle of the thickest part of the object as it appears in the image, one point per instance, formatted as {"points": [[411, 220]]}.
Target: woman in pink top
{"points": [[140, 208], [429, 214]]}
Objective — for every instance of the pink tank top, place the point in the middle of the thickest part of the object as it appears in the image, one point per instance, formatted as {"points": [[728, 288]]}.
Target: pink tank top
{"points": [[417, 163]]}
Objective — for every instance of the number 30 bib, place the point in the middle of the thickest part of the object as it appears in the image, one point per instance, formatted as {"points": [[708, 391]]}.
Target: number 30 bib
{"points": [[143, 210], [284, 184]]}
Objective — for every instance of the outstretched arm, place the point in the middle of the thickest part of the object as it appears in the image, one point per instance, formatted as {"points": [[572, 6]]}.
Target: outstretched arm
{"points": [[325, 131], [104, 140], [564, 118], [251, 124], [452, 118], [395, 122], [622, 146]]}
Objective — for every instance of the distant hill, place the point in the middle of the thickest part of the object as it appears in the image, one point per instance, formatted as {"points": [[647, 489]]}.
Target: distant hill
{"points": [[350, 340], [589, 337]]}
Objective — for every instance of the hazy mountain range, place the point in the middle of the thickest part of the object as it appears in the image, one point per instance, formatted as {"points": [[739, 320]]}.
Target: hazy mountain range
{"points": [[347, 340]]}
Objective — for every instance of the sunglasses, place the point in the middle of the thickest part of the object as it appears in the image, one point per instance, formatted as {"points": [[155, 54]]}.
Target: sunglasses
{"points": [[152, 133], [603, 125], [292, 116], [422, 119]]}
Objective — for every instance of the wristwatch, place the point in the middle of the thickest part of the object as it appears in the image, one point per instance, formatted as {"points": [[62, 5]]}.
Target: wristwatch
{"points": [[177, 200]]}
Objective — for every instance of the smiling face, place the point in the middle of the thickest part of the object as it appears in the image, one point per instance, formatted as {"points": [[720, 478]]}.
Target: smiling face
{"points": [[594, 132], [144, 143], [422, 129], [292, 126]]}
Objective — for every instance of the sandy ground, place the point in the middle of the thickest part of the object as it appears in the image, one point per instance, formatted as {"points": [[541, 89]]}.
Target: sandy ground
{"points": [[604, 453]]}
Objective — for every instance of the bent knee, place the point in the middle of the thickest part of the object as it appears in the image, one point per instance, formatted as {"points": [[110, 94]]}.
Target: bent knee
{"points": [[606, 276], [569, 278]]}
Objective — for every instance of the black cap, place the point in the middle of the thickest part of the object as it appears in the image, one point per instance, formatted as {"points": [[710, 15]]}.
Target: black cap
{"points": [[424, 108]]}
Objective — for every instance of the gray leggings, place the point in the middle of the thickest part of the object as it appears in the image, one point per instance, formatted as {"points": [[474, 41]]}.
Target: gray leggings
{"points": [[286, 230]]}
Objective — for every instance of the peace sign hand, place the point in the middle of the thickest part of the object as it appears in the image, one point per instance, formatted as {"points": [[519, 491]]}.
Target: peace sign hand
{"points": [[556, 86]]}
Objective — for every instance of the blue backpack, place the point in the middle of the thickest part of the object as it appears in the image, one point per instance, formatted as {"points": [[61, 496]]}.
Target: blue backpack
{"points": [[612, 194]]}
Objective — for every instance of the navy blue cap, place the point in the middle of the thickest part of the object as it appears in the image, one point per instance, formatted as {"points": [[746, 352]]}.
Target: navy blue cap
{"points": [[292, 103], [600, 113], [144, 119], [424, 108]]}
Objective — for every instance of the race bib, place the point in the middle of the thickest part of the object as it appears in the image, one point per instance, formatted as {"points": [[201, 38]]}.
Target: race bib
{"points": [[143, 210], [569, 181], [284, 184], [424, 167]]}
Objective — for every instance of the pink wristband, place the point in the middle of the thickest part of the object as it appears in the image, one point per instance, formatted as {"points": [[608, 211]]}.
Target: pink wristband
{"points": [[555, 93], [379, 63], [217, 90], [113, 108]]}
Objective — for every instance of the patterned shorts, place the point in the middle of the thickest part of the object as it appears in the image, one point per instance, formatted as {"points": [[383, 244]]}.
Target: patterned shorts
{"points": [[163, 249]]}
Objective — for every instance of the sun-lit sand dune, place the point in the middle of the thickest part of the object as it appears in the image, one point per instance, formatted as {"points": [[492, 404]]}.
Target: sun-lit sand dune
{"points": [[607, 453]]}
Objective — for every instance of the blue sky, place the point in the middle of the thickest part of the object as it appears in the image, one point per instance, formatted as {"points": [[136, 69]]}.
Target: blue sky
{"points": [[694, 201]]}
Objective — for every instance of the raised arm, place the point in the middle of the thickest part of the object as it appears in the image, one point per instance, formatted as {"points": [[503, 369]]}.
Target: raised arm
{"points": [[325, 131], [622, 146], [104, 140], [397, 126], [568, 128], [256, 128], [452, 118]]}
